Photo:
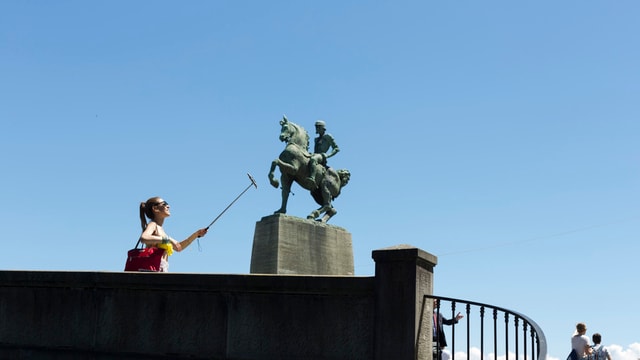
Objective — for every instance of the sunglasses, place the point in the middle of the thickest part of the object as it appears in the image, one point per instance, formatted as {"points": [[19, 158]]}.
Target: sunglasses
{"points": [[164, 203]]}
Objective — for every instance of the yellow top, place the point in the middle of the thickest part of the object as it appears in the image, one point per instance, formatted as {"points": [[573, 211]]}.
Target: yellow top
{"points": [[167, 247]]}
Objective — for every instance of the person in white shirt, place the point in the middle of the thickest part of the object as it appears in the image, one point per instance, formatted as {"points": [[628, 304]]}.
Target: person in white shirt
{"points": [[580, 341]]}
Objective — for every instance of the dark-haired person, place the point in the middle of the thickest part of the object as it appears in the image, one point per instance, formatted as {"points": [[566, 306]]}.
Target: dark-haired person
{"points": [[599, 352], [439, 339], [153, 234]]}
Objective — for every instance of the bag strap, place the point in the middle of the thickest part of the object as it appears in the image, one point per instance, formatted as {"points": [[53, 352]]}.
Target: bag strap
{"points": [[140, 238]]}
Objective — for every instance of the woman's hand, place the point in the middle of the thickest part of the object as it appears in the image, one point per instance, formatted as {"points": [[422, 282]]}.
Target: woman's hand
{"points": [[201, 232], [186, 242]]}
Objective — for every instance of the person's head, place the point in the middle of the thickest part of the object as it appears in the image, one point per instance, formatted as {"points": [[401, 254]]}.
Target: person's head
{"points": [[320, 127], [597, 338], [154, 208], [581, 328]]}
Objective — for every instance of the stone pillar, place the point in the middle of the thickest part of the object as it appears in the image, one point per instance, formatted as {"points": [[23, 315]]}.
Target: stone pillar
{"points": [[403, 326], [290, 245]]}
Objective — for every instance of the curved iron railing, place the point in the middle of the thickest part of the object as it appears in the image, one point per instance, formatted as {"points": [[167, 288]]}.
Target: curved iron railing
{"points": [[532, 339]]}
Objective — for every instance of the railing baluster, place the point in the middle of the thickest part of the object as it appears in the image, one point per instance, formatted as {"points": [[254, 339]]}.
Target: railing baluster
{"points": [[481, 333], [438, 350], [453, 331], [533, 338], [524, 339], [515, 332], [506, 335], [468, 310], [495, 334]]}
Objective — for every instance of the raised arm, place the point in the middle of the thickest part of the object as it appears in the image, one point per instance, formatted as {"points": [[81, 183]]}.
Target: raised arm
{"points": [[179, 246]]}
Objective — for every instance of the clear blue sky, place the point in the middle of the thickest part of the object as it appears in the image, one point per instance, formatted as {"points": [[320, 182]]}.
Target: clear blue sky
{"points": [[500, 136]]}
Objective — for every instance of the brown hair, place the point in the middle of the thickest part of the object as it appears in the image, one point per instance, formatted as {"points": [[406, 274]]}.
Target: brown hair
{"points": [[146, 208], [580, 327]]}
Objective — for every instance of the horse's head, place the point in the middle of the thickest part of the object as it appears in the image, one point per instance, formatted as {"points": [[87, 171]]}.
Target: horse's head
{"points": [[292, 133], [286, 131]]}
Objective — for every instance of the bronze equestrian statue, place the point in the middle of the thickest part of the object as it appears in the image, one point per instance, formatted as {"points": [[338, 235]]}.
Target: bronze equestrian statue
{"points": [[294, 166]]}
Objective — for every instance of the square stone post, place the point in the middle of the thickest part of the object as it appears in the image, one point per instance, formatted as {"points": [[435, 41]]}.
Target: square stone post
{"points": [[403, 325]]}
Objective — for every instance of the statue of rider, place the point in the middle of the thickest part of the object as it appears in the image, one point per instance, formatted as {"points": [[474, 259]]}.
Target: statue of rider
{"points": [[322, 143]]}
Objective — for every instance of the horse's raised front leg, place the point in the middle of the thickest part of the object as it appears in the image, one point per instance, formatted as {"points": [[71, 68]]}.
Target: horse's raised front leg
{"points": [[286, 168], [272, 179]]}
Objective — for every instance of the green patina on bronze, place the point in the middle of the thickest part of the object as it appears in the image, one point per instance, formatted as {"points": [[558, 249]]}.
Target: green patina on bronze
{"points": [[296, 164]]}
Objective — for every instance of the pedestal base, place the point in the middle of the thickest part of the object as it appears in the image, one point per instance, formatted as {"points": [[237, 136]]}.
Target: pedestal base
{"points": [[290, 245]]}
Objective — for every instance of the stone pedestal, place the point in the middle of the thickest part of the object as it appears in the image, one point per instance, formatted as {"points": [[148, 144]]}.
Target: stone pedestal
{"points": [[290, 245]]}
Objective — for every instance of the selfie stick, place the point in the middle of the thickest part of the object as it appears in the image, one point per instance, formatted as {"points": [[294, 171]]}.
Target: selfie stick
{"points": [[253, 183]]}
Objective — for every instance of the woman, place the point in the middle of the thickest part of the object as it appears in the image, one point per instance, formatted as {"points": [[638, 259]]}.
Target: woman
{"points": [[153, 234], [580, 341]]}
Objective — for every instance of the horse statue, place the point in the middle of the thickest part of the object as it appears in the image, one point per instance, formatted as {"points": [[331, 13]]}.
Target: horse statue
{"points": [[294, 166]]}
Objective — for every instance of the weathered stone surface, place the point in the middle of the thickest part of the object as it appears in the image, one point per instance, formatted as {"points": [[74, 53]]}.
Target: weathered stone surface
{"points": [[290, 245], [143, 315], [402, 332]]}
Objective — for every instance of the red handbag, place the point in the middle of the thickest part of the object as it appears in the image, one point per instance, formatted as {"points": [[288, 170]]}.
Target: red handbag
{"points": [[143, 259]]}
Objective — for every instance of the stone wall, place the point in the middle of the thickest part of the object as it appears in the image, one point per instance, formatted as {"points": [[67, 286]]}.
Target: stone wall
{"points": [[102, 315]]}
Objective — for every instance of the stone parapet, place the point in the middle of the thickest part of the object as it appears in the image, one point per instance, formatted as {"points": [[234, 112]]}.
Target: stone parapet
{"points": [[134, 316], [142, 315]]}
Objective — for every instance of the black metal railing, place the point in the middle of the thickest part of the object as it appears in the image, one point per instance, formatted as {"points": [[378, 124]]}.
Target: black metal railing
{"points": [[506, 341]]}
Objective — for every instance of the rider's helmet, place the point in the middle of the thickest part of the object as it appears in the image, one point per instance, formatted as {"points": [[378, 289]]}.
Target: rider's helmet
{"points": [[320, 123]]}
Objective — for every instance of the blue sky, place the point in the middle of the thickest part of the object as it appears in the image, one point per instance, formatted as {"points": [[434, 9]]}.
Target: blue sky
{"points": [[499, 136]]}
